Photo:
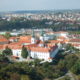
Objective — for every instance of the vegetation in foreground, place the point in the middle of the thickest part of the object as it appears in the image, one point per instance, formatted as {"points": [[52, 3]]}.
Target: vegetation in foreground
{"points": [[36, 71]]}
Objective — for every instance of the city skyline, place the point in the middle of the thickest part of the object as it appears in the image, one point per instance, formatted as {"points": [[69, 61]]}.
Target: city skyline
{"points": [[14, 5]]}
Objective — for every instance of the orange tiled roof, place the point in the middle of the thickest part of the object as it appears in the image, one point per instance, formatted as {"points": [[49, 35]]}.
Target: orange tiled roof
{"points": [[61, 37], [42, 49], [25, 39], [39, 42], [16, 47], [31, 45], [13, 37], [13, 46], [54, 41], [50, 45], [3, 40], [1, 47], [77, 45], [75, 40], [39, 49], [16, 43], [1, 36]]}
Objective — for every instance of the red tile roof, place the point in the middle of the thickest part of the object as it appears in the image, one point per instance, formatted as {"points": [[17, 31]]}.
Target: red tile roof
{"points": [[54, 41], [1, 36], [25, 39], [42, 49], [76, 45], [1, 47], [13, 38], [75, 40], [3, 40], [61, 37]]}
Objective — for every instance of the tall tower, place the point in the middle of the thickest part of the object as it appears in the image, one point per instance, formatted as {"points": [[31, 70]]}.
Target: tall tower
{"points": [[33, 40], [42, 36]]}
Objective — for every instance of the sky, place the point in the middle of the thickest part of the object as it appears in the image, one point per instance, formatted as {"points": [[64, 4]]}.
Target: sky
{"points": [[14, 5]]}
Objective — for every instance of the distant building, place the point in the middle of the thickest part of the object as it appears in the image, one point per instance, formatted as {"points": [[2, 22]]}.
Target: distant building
{"points": [[3, 40]]}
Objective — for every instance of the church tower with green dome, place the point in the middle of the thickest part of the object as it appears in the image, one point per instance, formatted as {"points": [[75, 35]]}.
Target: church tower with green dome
{"points": [[42, 35], [33, 40]]}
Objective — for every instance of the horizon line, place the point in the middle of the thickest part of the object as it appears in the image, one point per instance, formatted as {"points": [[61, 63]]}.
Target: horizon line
{"points": [[40, 10]]}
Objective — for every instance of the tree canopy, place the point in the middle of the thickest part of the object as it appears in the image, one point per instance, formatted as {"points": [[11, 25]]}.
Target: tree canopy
{"points": [[7, 52], [24, 52]]}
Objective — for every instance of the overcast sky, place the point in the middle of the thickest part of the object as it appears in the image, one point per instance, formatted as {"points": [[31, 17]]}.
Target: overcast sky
{"points": [[13, 5]]}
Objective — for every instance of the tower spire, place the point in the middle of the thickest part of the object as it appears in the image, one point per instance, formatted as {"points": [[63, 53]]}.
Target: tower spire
{"points": [[42, 33], [33, 35], [33, 40]]}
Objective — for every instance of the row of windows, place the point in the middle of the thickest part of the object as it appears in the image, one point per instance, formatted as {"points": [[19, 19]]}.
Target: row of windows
{"points": [[40, 55]]}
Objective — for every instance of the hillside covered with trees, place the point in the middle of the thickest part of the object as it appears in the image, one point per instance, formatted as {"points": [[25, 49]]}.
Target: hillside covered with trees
{"points": [[18, 23]]}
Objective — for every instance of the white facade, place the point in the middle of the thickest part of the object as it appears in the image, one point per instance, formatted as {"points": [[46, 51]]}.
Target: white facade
{"points": [[44, 55], [33, 40], [64, 34], [41, 45], [2, 33], [77, 47], [13, 40], [16, 52], [48, 37], [15, 33], [40, 55], [37, 55], [42, 38]]}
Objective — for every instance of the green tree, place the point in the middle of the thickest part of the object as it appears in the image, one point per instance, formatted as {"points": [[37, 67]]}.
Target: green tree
{"points": [[76, 68], [70, 47], [70, 60], [62, 65], [7, 35], [3, 58], [66, 78], [7, 52], [78, 77], [24, 52], [25, 77], [15, 76]]}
